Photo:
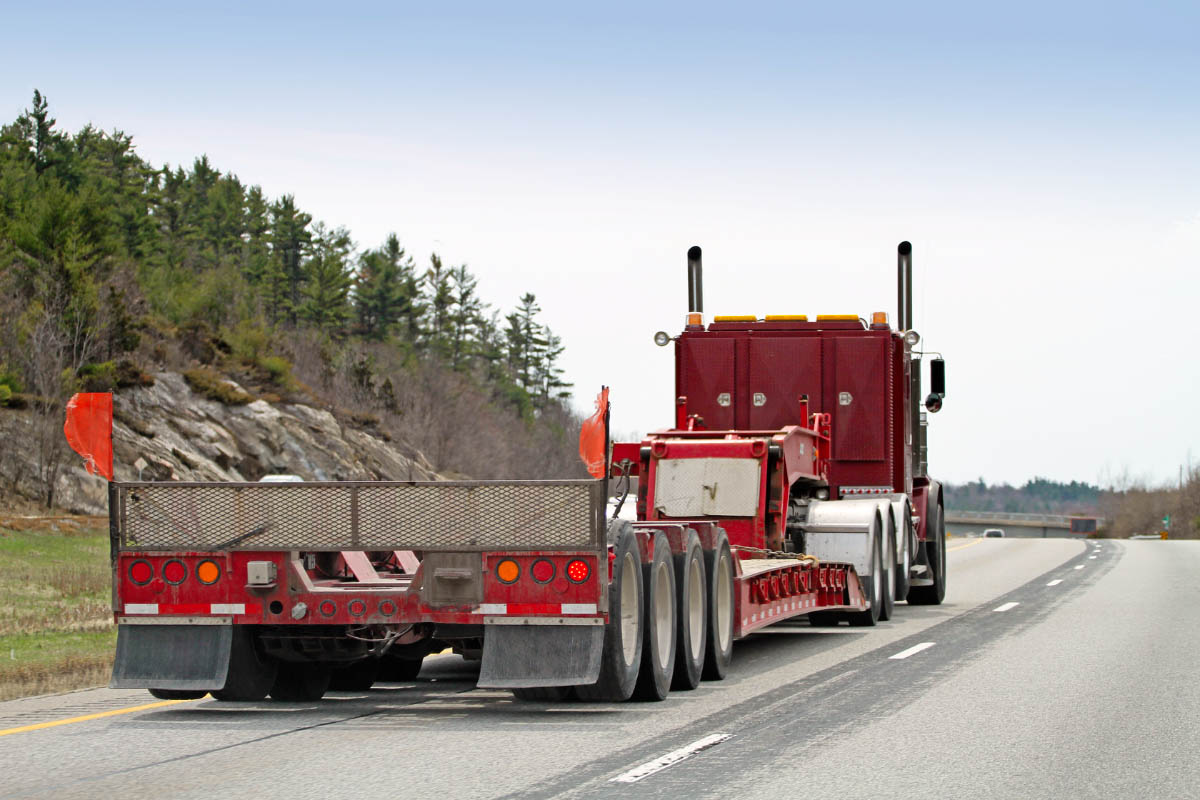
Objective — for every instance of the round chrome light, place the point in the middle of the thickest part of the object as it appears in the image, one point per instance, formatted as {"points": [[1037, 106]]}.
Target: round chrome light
{"points": [[662, 338], [911, 338]]}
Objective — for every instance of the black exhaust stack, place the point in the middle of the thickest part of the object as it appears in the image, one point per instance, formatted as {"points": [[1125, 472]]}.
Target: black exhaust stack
{"points": [[695, 280], [904, 312]]}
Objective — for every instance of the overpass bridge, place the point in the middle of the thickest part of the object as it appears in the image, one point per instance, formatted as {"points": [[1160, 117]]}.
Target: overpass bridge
{"points": [[1042, 526]]}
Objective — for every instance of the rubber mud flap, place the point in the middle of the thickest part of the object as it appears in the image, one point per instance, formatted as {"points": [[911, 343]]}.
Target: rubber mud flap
{"points": [[171, 657], [527, 656]]}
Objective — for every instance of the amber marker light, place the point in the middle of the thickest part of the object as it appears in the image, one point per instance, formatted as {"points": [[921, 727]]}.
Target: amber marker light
{"points": [[578, 571], [208, 572], [695, 318], [879, 318], [507, 571]]}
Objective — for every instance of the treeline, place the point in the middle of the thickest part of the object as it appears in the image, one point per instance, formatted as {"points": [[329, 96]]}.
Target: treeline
{"points": [[1036, 496], [110, 266], [1128, 507]]}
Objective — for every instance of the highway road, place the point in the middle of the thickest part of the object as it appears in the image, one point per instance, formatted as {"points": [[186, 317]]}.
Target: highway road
{"points": [[1055, 669]]}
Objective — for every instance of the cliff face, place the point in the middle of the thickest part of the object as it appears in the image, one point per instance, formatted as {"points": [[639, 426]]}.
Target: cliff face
{"points": [[168, 432]]}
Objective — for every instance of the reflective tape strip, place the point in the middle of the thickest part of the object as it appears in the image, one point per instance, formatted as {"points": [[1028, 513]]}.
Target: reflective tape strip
{"points": [[141, 608], [493, 608], [579, 608], [228, 608]]}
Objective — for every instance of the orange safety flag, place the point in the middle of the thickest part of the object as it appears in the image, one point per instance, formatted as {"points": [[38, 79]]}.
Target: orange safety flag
{"points": [[593, 437], [89, 430]]}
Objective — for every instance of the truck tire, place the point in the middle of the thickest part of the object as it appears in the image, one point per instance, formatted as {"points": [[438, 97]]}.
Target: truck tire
{"points": [[718, 565], [357, 677], [251, 674], [660, 626], [178, 694], [888, 563], [692, 611], [301, 682], [935, 552], [622, 655], [873, 587], [543, 694], [904, 566]]}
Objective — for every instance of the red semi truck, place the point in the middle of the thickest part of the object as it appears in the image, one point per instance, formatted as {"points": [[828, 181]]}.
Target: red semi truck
{"points": [[792, 483]]}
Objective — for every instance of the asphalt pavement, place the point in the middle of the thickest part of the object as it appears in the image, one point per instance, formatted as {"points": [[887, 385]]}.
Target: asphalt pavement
{"points": [[1056, 668]]}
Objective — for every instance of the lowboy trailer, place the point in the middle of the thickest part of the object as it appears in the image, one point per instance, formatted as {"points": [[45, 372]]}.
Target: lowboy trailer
{"points": [[792, 483]]}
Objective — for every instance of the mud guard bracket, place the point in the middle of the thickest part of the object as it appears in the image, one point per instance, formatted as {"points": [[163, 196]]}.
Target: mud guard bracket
{"points": [[172, 657], [529, 656]]}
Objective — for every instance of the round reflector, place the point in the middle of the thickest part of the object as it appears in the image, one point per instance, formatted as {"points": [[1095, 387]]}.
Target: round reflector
{"points": [[578, 571], [208, 572], [174, 572], [542, 571], [507, 571], [140, 572]]}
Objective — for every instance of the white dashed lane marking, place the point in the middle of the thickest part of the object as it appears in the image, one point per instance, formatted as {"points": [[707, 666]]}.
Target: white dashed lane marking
{"points": [[1007, 606], [670, 759], [1055, 582], [912, 651]]}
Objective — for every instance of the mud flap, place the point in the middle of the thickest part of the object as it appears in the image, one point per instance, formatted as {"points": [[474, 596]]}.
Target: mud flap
{"points": [[529, 656], [172, 657]]}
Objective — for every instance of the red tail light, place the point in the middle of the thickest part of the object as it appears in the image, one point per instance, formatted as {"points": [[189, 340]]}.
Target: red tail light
{"points": [[542, 570], [578, 571], [174, 572], [140, 572]]}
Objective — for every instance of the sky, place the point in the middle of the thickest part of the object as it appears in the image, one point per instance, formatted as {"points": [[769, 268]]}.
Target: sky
{"points": [[1041, 157]]}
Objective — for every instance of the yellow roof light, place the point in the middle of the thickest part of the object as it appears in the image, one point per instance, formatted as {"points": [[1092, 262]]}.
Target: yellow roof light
{"points": [[735, 318], [879, 318], [786, 318], [837, 317]]}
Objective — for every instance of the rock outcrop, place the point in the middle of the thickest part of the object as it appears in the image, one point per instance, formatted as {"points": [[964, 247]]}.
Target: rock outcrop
{"points": [[168, 432]]}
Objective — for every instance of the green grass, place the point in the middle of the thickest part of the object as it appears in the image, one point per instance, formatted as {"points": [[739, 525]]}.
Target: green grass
{"points": [[56, 628]]}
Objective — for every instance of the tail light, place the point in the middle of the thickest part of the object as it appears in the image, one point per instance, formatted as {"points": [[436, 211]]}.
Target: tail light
{"points": [[141, 572], [578, 571], [507, 571], [174, 572], [542, 570], [208, 572]]}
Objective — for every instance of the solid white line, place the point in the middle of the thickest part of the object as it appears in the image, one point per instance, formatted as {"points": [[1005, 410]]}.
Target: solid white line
{"points": [[916, 648], [1007, 606], [670, 759], [1079, 566], [1055, 582]]}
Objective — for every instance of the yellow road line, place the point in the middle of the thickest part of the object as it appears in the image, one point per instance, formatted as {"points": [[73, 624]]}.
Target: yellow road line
{"points": [[964, 546], [87, 717]]}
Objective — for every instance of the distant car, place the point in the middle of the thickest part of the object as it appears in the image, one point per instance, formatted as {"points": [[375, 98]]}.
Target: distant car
{"points": [[281, 479], [993, 533]]}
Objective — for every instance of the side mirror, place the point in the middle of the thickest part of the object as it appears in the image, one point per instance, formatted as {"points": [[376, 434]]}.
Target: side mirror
{"points": [[937, 376], [933, 403]]}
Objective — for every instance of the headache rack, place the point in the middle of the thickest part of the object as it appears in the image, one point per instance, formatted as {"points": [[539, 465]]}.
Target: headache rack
{"points": [[443, 516]]}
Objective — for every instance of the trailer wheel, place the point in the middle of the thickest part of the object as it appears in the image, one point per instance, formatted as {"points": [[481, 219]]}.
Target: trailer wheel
{"points": [[251, 674], [887, 596], [874, 587], [357, 677], [718, 564], [543, 694], [692, 611], [301, 682], [178, 694], [622, 654], [660, 626], [935, 553], [905, 566]]}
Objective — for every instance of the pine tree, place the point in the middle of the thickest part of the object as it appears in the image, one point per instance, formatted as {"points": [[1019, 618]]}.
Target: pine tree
{"points": [[465, 318], [386, 290], [326, 303], [290, 243], [440, 297]]}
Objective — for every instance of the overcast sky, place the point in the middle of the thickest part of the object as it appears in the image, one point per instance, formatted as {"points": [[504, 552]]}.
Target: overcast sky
{"points": [[1042, 158]]}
